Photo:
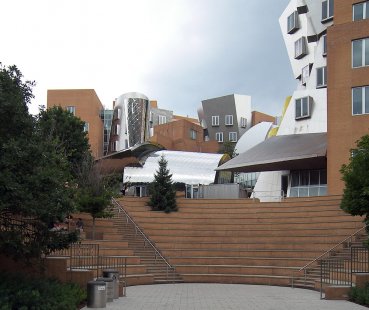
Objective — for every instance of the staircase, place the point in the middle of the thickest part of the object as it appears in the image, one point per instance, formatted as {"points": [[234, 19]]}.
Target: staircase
{"points": [[240, 240], [310, 277], [142, 247]]}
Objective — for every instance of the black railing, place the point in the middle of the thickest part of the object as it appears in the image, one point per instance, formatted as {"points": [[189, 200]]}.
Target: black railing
{"points": [[340, 270], [86, 256]]}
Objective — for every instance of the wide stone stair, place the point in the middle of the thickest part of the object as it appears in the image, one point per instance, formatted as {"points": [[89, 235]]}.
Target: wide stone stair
{"points": [[141, 247], [241, 240]]}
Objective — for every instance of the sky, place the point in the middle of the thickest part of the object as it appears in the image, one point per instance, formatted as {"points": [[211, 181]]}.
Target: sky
{"points": [[178, 52]]}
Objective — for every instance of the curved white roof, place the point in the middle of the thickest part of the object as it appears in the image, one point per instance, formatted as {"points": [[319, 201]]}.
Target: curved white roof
{"points": [[185, 167], [253, 136]]}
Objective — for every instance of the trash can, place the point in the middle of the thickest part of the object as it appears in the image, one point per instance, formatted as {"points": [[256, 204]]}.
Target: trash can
{"points": [[114, 274], [109, 288], [96, 294]]}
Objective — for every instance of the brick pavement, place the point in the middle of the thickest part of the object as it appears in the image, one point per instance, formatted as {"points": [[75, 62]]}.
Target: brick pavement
{"points": [[224, 297]]}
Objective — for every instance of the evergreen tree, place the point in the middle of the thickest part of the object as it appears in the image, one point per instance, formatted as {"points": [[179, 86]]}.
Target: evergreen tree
{"points": [[355, 174], [163, 195]]}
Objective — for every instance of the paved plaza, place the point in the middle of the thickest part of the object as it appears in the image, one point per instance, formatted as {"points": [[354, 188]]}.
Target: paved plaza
{"points": [[224, 297]]}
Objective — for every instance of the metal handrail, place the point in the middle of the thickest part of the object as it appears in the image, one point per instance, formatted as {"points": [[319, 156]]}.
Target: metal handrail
{"points": [[137, 228], [325, 253]]}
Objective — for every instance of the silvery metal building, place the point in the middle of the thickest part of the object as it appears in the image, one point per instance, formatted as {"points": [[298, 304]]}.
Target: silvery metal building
{"points": [[130, 125]]}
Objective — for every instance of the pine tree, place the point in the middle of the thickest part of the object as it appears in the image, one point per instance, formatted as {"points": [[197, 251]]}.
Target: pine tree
{"points": [[163, 195]]}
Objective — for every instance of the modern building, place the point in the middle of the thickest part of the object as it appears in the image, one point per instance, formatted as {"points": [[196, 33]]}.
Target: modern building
{"points": [[182, 134], [225, 119], [85, 104], [130, 124], [348, 85], [329, 110]]}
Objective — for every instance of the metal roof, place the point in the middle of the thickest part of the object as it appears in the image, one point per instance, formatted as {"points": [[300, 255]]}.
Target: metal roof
{"points": [[185, 167], [287, 152]]}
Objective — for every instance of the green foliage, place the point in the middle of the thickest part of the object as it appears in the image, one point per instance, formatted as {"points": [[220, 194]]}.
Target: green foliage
{"points": [[33, 179], [228, 148], [355, 174], [20, 292], [163, 195], [67, 131], [360, 295]]}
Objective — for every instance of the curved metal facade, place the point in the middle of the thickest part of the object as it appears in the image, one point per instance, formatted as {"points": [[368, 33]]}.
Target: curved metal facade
{"points": [[130, 121]]}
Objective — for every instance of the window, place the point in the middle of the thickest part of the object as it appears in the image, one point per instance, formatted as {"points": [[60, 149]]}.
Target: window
{"points": [[151, 117], [293, 22], [215, 120], [321, 77], [324, 38], [303, 107], [162, 119], [300, 48], [72, 109], [243, 122], [114, 145], [219, 136], [305, 74], [229, 120], [307, 183], [327, 10], [86, 127], [193, 134], [360, 53], [232, 137], [360, 11], [360, 100]]}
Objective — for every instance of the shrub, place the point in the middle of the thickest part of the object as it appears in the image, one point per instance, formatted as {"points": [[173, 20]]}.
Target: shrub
{"points": [[20, 292], [360, 295]]}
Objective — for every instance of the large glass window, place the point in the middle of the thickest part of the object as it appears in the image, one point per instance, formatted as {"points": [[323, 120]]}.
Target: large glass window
{"points": [[71, 109], [305, 74], [233, 136], [360, 100], [219, 136], [321, 77], [162, 119], [360, 11], [306, 183], [243, 122], [193, 134], [293, 22], [215, 120], [327, 10], [229, 120], [324, 38], [360, 53], [303, 107], [300, 48]]}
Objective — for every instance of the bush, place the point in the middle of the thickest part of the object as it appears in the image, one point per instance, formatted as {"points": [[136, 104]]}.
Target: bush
{"points": [[17, 291], [360, 295]]}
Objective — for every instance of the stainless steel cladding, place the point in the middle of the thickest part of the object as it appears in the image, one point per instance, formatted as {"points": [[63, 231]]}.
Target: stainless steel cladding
{"points": [[130, 124]]}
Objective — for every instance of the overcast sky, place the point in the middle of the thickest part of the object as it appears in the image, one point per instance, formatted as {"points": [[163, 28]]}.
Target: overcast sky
{"points": [[177, 52]]}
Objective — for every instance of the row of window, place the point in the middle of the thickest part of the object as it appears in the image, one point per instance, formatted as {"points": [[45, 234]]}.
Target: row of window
{"points": [[228, 121], [293, 23], [360, 103], [232, 136]]}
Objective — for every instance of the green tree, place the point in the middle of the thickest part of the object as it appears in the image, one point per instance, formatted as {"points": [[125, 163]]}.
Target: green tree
{"points": [[68, 132], [163, 194], [95, 191], [34, 176], [355, 175], [228, 147]]}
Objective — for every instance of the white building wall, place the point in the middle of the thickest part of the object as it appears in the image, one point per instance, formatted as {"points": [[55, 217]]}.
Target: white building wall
{"points": [[243, 109], [310, 27]]}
